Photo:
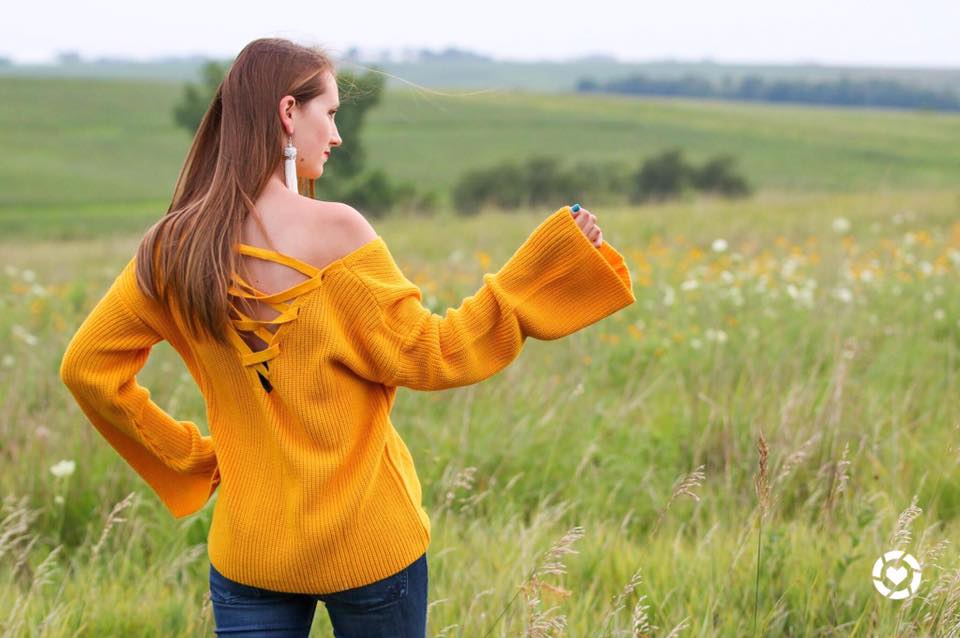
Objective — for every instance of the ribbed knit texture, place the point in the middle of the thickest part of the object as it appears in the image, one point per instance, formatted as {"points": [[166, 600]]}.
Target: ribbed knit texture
{"points": [[317, 491]]}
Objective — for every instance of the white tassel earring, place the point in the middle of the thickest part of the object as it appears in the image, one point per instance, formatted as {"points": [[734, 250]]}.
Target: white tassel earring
{"points": [[290, 165]]}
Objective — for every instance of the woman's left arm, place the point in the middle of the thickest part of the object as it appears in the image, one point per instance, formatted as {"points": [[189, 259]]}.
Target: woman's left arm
{"points": [[99, 368]]}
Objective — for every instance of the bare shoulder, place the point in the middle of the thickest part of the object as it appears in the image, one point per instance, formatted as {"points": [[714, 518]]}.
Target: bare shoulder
{"points": [[352, 223], [342, 228]]}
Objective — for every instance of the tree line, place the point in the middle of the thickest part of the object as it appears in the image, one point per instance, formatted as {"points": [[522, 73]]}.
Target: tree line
{"points": [[872, 92]]}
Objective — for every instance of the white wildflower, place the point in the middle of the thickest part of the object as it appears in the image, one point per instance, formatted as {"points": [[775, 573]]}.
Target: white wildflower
{"points": [[789, 267], [58, 499], [695, 343], [28, 275], [21, 333], [928, 297], [926, 268], [727, 277], [669, 296], [63, 468], [8, 361], [715, 335], [939, 314], [866, 276], [843, 294], [11, 271], [803, 296], [689, 284], [736, 297], [841, 225], [719, 245]]}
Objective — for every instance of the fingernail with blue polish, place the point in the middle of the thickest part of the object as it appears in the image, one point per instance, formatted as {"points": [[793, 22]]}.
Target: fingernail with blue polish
{"points": [[575, 207]]}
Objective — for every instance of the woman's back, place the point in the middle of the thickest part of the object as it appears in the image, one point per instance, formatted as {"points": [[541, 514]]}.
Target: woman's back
{"points": [[314, 232]]}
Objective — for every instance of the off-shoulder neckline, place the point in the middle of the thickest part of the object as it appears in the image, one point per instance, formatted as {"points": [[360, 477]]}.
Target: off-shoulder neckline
{"points": [[312, 272]]}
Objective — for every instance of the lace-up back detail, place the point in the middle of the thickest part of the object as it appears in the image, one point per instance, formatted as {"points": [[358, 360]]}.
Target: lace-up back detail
{"points": [[284, 302]]}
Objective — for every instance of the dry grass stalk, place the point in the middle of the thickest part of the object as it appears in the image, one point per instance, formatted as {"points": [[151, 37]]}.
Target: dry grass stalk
{"points": [[688, 484], [539, 624], [41, 577], [640, 621], [797, 458], [552, 562], [932, 555], [762, 479], [847, 354], [639, 618], [685, 487], [15, 526], [683, 624], [762, 485], [462, 479], [901, 532], [943, 605], [839, 478], [112, 519]]}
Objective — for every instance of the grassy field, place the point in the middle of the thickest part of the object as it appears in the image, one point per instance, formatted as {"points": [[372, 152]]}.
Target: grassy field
{"points": [[726, 457], [77, 151]]}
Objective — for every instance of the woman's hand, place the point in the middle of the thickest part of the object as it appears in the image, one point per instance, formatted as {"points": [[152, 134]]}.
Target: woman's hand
{"points": [[587, 222]]}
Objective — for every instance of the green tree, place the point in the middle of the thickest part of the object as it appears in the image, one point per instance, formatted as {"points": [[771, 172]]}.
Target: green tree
{"points": [[665, 175], [719, 175], [196, 98]]}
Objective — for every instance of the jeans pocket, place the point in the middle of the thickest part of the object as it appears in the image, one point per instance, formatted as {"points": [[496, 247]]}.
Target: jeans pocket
{"points": [[377, 595], [224, 590]]}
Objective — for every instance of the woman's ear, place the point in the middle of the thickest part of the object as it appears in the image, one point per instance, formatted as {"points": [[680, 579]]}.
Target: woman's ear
{"points": [[287, 109]]}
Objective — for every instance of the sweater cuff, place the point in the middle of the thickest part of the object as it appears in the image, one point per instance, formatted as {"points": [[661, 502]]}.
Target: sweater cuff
{"points": [[558, 282]]}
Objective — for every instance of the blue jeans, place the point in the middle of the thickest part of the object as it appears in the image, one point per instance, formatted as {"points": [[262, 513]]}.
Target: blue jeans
{"points": [[395, 607]]}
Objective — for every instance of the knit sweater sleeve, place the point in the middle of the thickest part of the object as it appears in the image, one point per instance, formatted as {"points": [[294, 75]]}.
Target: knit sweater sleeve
{"points": [[99, 368], [556, 283]]}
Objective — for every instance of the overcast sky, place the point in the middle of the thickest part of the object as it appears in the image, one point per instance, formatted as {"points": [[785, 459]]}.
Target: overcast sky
{"points": [[863, 32]]}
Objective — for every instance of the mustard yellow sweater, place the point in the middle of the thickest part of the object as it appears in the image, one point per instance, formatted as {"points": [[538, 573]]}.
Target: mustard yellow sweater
{"points": [[318, 493]]}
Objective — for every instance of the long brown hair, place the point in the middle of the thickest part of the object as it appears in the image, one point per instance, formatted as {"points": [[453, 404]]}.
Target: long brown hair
{"points": [[188, 255]]}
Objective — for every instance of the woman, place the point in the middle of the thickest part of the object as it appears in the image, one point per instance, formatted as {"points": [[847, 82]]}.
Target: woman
{"points": [[296, 323]]}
